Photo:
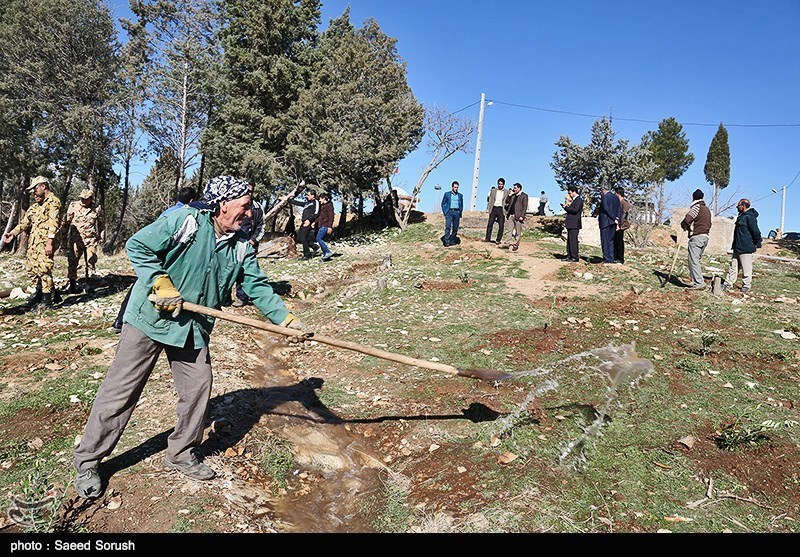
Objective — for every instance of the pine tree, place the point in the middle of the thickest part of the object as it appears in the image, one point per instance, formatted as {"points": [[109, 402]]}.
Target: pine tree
{"points": [[267, 48], [604, 161], [670, 153], [718, 164], [358, 117], [58, 55]]}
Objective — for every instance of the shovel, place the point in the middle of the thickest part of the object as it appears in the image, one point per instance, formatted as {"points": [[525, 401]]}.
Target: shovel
{"points": [[674, 260], [484, 374]]}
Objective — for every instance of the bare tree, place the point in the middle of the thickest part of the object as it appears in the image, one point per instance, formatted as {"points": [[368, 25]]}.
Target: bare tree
{"points": [[446, 134]]}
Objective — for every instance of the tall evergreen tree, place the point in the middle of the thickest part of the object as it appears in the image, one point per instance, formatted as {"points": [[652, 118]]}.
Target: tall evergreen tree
{"points": [[670, 154], [58, 62], [267, 50], [718, 164], [358, 117]]}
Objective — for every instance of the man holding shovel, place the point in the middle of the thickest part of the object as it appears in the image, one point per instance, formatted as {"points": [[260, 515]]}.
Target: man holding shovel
{"points": [[697, 223], [196, 253]]}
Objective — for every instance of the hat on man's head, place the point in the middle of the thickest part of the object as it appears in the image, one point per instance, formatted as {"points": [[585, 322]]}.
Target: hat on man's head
{"points": [[86, 193], [698, 194], [36, 181], [224, 188]]}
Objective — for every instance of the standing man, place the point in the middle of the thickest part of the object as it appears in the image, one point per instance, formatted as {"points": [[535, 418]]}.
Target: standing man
{"points": [[497, 201], [310, 212], [42, 223], [542, 204], [608, 218], [84, 220], [194, 254], [572, 222], [746, 240], [324, 224], [624, 224], [517, 207], [452, 207], [253, 226], [697, 223]]}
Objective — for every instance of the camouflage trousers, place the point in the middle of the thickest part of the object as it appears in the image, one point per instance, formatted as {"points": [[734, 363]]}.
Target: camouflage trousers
{"points": [[79, 248], [39, 267]]}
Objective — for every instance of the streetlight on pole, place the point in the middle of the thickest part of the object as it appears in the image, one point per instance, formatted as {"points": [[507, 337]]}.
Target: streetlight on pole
{"points": [[476, 172], [783, 209]]}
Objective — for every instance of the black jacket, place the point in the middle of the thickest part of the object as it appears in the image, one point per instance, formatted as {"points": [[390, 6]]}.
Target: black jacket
{"points": [[310, 210], [746, 235], [574, 211]]}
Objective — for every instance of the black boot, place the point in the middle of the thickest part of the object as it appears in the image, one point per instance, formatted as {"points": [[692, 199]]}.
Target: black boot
{"points": [[73, 287], [46, 303], [34, 298]]}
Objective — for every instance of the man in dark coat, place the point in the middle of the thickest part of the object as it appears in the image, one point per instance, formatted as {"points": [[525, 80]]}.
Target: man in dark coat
{"points": [[746, 240], [608, 217], [516, 209], [572, 222]]}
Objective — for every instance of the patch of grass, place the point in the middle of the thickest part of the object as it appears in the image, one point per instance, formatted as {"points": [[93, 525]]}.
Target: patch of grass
{"points": [[692, 365], [55, 394], [392, 511], [334, 396], [277, 460]]}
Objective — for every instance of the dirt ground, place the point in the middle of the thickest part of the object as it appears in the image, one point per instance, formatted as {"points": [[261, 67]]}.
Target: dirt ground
{"points": [[266, 392]]}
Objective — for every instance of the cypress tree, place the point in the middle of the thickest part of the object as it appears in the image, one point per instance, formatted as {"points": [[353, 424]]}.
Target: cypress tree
{"points": [[718, 164]]}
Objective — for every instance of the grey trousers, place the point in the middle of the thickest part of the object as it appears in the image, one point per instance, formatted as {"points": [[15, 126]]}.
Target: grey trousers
{"points": [[516, 231], [745, 261], [133, 363], [697, 244]]}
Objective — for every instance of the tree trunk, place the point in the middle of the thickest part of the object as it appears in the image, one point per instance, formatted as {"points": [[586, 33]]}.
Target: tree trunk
{"points": [[200, 173], [65, 194], [109, 246], [716, 200], [273, 212], [10, 223], [342, 219], [182, 146], [360, 206]]}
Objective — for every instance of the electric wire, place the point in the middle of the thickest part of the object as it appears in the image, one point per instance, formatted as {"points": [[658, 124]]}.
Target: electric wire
{"points": [[640, 120]]}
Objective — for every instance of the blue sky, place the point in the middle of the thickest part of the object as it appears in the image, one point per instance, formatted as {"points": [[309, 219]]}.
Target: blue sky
{"points": [[703, 61]]}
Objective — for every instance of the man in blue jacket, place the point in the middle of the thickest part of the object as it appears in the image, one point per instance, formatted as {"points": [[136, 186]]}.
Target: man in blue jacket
{"points": [[746, 240], [609, 216], [194, 253], [452, 207]]}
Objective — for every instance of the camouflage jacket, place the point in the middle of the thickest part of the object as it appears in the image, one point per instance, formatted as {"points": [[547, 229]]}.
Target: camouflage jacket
{"points": [[41, 220], [87, 221]]}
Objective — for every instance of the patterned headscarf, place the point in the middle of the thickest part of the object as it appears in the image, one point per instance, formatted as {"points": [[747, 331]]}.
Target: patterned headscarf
{"points": [[224, 188]]}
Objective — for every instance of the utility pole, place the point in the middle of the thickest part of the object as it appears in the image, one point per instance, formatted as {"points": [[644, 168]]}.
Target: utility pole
{"points": [[476, 172], [783, 209]]}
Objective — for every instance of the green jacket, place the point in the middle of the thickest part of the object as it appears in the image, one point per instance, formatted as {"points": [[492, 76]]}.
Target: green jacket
{"points": [[184, 246]]}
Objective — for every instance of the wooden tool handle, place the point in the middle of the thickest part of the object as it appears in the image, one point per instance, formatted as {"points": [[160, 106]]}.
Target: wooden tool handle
{"points": [[348, 345]]}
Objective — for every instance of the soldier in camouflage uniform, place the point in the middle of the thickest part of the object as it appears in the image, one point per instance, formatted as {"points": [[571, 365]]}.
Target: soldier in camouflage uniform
{"points": [[84, 221], [41, 222]]}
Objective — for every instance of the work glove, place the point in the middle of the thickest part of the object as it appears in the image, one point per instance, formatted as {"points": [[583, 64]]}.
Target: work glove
{"points": [[167, 297], [293, 322]]}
